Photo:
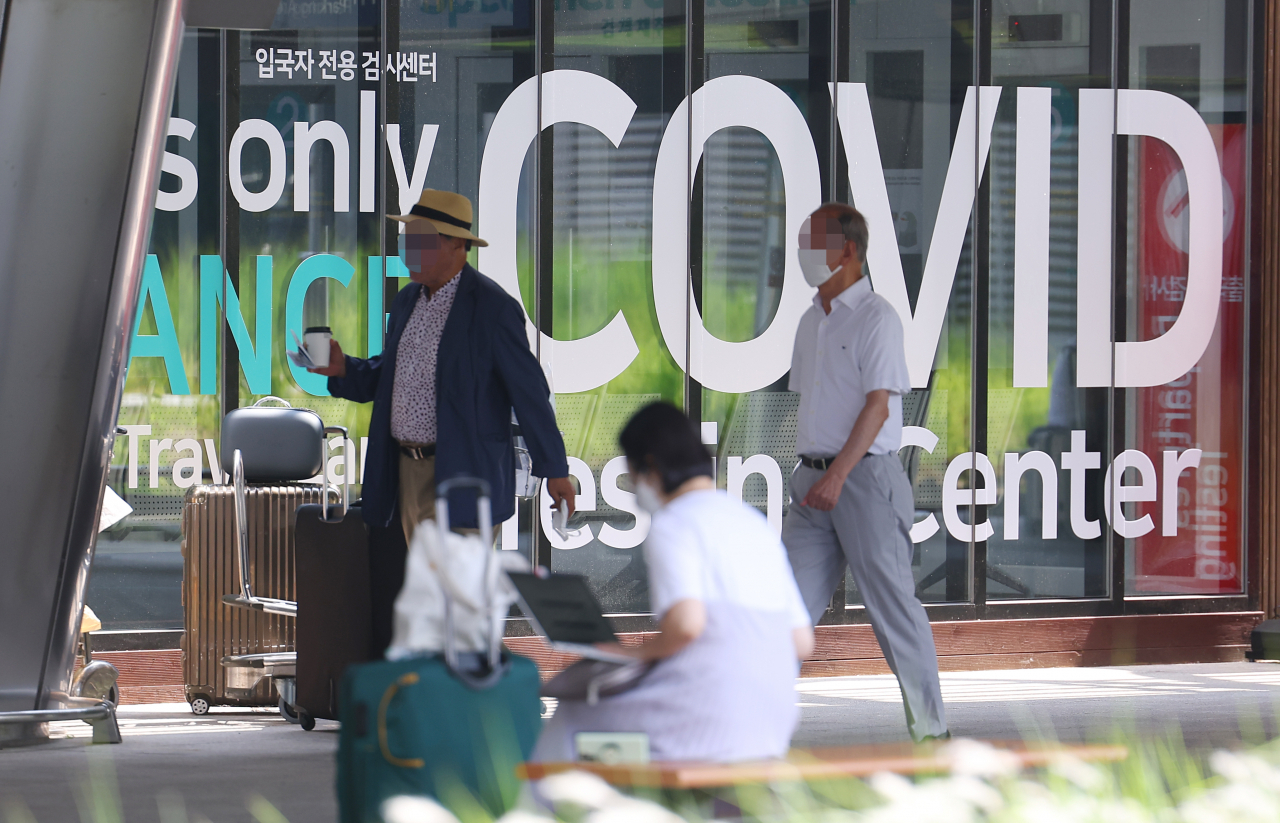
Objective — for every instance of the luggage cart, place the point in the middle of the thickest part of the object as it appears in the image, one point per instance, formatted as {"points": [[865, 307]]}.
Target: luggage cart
{"points": [[245, 671]]}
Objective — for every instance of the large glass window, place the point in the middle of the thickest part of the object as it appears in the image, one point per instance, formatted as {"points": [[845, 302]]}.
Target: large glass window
{"points": [[1042, 181], [912, 101], [1184, 535], [466, 121], [171, 426], [619, 76], [1036, 549], [764, 108]]}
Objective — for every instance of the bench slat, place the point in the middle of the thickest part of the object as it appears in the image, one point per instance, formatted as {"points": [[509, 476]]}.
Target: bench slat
{"points": [[810, 764]]}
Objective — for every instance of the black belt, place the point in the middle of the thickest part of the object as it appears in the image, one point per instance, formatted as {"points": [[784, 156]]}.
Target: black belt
{"points": [[419, 452], [821, 463]]}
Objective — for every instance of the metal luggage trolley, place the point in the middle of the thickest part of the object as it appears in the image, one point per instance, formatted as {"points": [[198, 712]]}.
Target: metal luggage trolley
{"points": [[277, 440]]}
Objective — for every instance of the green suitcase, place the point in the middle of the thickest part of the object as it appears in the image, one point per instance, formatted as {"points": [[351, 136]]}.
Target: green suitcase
{"points": [[413, 727], [451, 726]]}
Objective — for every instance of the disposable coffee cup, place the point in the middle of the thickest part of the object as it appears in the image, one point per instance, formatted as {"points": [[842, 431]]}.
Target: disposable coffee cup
{"points": [[316, 339]]}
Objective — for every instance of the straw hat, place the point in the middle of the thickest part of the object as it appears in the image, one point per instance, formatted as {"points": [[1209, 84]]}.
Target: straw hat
{"points": [[448, 211]]}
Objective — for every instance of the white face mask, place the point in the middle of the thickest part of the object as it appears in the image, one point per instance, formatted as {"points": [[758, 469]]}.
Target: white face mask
{"points": [[813, 262], [647, 497]]}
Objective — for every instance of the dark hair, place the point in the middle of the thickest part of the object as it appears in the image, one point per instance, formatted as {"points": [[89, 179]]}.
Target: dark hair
{"points": [[661, 438], [852, 225]]}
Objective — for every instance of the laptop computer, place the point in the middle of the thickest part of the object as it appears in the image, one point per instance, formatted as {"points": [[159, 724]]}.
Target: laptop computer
{"points": [[563, 609]]}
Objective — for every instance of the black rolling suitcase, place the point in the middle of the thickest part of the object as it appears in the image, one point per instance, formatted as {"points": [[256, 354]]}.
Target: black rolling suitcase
{"points": [[334, 616]]}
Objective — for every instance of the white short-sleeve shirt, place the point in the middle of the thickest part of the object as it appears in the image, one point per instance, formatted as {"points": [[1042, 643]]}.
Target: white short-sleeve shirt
{"points": [[706, 546], [838, 359], [730, 694]]}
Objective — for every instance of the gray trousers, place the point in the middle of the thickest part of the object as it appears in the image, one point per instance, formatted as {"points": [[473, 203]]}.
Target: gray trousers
{"points": [[869, 529]]}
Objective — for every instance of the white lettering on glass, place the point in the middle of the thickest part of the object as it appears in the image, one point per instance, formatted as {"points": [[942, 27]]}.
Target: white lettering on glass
{"points": [[1144, 491], [866, 181], [305, 136], [1031, 241], [270, 194], [1172, 354], [181, 168], [723, 103], [134, 433], [927, 440], [623, 501], [411, 183], [1174, 465], [736, 472], [1077, 462], [193, 463], [1016, 465], [567, 97], [368, 150], [953, 497]]}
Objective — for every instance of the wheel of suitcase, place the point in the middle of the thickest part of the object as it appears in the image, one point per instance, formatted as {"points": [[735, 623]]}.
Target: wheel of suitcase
{"points": [[199, 705], [289, 712], [306, 721]]}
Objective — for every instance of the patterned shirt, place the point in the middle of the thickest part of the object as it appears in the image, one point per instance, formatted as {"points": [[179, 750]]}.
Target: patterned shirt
{"points": [[413, 398]]}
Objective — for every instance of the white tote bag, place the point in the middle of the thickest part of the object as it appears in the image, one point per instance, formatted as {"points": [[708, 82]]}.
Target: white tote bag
{"points": [[440, 563]]}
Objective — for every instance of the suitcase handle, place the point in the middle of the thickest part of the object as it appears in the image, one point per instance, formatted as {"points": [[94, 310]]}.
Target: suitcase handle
{"points": [[242, 525], [348, 462], [406, 679], [484, 517]]}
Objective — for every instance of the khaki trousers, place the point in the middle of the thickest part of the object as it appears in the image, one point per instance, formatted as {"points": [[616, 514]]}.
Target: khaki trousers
{"points": [[417, 492]]}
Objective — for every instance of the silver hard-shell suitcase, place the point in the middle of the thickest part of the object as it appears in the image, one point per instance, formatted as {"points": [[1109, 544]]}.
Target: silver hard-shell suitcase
{"points": [[238, 588]]}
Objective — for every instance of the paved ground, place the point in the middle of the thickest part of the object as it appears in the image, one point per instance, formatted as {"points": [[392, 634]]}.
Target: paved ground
{"points": [[246, 766]]}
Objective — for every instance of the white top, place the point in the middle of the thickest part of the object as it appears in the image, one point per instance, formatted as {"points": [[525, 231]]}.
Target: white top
{"points": [[731, 693], [706, 546], [841, 357]]}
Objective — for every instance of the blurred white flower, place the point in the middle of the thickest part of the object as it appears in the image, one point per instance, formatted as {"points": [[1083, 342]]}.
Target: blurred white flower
{"points": [[522, 816], [891, 786], [1236, 802], [977, 793], [835, 816], [948, 800], [579, 789], [1079, 773], [409, 809], [631, 810], [1245, 768], [973, 757], [602, 802]]}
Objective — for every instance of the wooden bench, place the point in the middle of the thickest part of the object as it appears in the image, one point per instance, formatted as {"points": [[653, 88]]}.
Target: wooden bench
{"points": [[814, 764]]}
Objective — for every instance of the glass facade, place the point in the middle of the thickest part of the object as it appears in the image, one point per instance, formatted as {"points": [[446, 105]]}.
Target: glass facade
{"points": [[1042, 178]]}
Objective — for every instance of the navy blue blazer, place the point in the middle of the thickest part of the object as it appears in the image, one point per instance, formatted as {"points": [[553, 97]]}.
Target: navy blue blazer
{"points": [[484, 370]]}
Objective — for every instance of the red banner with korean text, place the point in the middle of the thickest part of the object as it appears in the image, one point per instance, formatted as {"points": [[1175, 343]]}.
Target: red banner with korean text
{"points": [[1204, 409]]}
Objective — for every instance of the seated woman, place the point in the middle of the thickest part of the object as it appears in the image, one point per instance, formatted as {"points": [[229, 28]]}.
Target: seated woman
{"points": [[732, 625]]}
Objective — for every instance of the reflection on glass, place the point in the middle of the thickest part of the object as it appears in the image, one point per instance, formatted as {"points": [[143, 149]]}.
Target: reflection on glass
{"points": [[601, 291], [137, 567], [1197, 53], [469, 61], [1033, 405], [915, 59], [749, 220]]}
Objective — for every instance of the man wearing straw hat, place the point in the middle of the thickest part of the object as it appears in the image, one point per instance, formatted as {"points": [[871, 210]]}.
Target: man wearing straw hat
{"points": [[456, 362]]}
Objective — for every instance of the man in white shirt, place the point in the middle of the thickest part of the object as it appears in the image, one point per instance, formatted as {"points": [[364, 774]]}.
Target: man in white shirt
{"points": [[851, 500]]}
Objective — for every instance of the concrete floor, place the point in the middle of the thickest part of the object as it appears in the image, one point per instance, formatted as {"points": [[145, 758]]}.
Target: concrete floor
{"points": [[236, 765]]}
